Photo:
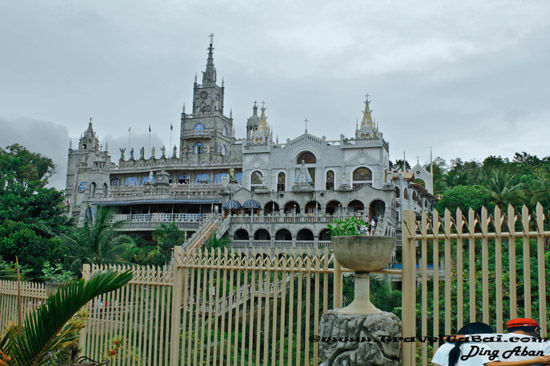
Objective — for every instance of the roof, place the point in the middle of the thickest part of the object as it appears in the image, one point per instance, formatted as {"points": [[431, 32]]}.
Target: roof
{"points": [[252, 204], [232, 205]]}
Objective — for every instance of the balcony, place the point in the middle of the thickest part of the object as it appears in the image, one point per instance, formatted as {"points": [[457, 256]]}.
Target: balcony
{"points": [[273, 244], [151, 221]]}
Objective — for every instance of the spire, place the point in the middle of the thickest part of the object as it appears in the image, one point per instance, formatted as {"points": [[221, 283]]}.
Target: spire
{"points": [[231, 113], [183, 108], [357, 125], [367, 114], [209, 76], [255, 108]]}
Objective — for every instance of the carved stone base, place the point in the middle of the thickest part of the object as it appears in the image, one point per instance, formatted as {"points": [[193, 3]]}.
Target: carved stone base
{"points": [[359, 339]]}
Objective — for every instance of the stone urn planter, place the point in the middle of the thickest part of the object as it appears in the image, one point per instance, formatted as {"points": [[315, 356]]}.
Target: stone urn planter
{"points": [[363, 254]]}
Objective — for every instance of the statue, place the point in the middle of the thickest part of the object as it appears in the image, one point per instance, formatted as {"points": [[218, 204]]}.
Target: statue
{"points": [[142, 153], [122, 150], [163, 151], [132, 153], [153, 152], [151, 177], [208, 149], [175, 153], [232, 173]]}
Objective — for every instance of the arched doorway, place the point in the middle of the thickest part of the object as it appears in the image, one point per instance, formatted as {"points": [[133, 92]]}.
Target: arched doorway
{"points": [[304, 235], [292, 207], [262, 234], [271, 208], [356, 206], [333, 207], [241, 234], [283, 234], [377, 208], [313, 207], [324, 235]]}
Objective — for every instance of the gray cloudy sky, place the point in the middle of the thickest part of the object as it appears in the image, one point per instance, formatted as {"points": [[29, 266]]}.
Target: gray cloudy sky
{"points": [[468, 78]]}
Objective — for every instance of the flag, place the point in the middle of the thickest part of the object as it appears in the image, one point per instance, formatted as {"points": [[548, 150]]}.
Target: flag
{"points": [[149, 128], [171, 127]]}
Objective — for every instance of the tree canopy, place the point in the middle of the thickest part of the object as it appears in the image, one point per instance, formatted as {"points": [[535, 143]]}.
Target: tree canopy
{"points": [[31, 215]]}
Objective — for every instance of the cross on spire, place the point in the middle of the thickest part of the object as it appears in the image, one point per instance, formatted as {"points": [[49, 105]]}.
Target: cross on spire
{"points": [[306, 121], [263, 104], [211, 38]]}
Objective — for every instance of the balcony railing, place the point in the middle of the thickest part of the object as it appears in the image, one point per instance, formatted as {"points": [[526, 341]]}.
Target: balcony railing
{"points": [[159, 217], [281, 244], [311, 218]]}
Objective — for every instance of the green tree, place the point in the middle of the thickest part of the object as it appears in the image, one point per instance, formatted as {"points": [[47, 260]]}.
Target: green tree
{"points": [[31, 215], [98, 241], [214, 243], [463, 197], [168, 236]]}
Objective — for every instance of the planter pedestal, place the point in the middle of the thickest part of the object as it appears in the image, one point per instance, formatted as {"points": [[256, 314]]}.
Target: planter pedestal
{"points": [[359, 339]]}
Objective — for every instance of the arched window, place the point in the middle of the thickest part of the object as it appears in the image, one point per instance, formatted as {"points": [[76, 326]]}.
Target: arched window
{"points": [[330, 181], [224, 150], [281, 180], [406, 194], [198, 148], [92, 189], [307, 157], [397, 192], [256, 180], [199, 129], [362, 176], [224, 131]]}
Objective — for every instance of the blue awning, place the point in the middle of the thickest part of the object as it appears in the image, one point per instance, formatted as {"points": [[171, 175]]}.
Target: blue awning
{"points": [[239, 177], [252, 204], [232, 205], [202, 178]]}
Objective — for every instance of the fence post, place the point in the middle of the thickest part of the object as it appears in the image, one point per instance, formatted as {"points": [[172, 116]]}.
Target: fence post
{"points": [[408, 312], [176, 307], [337, 288]]}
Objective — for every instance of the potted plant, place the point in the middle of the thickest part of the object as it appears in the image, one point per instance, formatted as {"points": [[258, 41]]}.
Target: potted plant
{"points": [[363, 254], [54, 277]]}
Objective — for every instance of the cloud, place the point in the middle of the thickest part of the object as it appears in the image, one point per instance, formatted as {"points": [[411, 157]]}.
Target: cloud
{"points": [[47, 138]]}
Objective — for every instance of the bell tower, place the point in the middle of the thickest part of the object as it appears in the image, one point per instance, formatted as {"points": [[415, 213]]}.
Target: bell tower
{"points": [[206, 129]]}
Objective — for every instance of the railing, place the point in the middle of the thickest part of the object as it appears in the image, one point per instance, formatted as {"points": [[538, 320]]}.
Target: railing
{"points": [[281, 244], [32, 295], [159, 217], [292, 218], [178, 190]]}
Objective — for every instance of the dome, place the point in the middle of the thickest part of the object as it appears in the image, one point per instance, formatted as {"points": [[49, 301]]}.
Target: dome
{"points": [[252, 204]]}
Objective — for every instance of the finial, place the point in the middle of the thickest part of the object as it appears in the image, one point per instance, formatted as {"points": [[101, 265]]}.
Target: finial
{"points": [[90, 121], [417, 159], [306, 121], [183, 108], [211, 38], [231, 113], [222, 82], [263, 105]]}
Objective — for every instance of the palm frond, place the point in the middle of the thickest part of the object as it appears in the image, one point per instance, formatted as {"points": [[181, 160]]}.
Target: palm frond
{"points": [[44, 330]]}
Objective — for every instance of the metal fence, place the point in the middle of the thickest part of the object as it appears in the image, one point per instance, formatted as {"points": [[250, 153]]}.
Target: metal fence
{"points": [[456, 270]]}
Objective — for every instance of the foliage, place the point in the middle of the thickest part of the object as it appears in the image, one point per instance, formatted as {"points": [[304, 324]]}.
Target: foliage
{"points": [[8, 271], [47, 330], [31, 215], [56, 273], [167, 236], [463, 197], [213, 243], [346, 227], [98, 241]]}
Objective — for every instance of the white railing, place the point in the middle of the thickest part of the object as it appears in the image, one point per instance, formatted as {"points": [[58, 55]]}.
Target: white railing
{"points": [[280, 244], [159, 217], [292, 218]]}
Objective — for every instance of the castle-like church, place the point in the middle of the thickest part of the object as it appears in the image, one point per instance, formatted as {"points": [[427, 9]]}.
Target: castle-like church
{"points": [[267, 194]]}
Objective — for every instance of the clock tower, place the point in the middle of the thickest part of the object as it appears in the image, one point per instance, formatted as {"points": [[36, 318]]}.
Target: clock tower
{"points": [[207, 129]]}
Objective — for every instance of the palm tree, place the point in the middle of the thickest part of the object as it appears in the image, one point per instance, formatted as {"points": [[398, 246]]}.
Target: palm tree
{"points": [[168, 236], [46, 330], [98, 241], [504, 188], [214, 243]]}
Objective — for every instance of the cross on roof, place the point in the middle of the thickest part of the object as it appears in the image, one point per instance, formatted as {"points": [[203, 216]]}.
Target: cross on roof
{"points": [[263, 104], [306, 121]]}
